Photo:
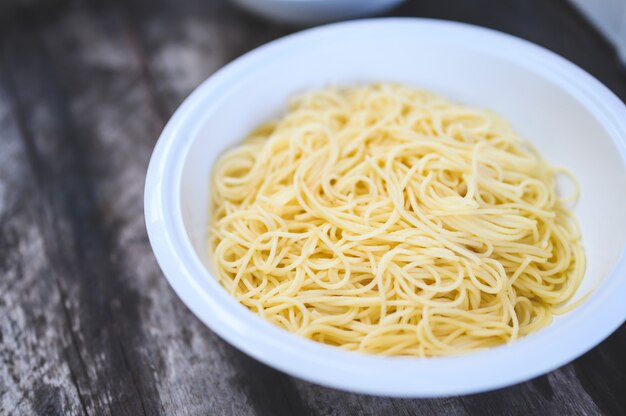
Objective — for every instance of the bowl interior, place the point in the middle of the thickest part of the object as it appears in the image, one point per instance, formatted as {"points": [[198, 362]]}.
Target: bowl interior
{"points": [[555, 118]]}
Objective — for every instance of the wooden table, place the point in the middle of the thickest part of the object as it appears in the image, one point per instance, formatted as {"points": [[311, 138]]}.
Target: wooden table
{"points": [[88, 324]]}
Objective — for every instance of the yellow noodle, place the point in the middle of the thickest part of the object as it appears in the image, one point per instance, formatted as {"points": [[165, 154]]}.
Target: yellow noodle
{"points": [[387, 220]]}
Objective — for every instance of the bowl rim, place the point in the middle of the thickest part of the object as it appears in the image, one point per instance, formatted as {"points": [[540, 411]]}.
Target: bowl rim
{"points": [[597, 317]]}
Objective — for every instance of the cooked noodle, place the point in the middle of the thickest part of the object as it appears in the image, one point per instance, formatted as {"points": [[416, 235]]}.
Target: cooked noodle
{"points": [[387, 220]]}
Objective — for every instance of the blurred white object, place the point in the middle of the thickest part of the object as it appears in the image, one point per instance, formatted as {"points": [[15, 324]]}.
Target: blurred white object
{"points": [[315, 11], [609, 16]]}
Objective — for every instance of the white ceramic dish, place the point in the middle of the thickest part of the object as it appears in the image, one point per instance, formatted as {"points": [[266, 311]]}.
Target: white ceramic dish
{"points": [[573, 119], [306, 12]]}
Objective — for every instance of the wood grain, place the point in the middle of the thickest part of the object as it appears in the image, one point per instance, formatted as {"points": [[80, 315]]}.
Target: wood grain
{"points": [[88, 324]]}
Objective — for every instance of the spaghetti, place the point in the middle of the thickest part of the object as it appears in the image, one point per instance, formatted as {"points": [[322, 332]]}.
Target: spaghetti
{"points": [[387, 220]]}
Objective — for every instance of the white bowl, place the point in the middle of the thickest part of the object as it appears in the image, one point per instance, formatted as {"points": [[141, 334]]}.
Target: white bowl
{"points": [[572, 118], [315, 11]]}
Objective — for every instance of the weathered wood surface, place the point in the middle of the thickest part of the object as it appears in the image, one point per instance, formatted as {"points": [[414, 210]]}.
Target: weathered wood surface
{"points": [[88, 325]]}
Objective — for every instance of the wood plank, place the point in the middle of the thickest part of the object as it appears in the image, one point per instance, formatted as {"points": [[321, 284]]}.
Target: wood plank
{"points": [[602, 372], [91, 324], [74, 241], [150, 355], [36, 342]]}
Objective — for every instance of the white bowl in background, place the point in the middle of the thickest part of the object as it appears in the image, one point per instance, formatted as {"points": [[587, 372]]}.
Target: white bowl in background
{"points": [[307, 12], [572, 118]]}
